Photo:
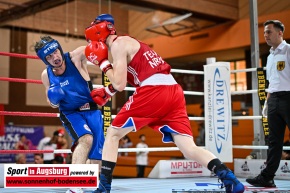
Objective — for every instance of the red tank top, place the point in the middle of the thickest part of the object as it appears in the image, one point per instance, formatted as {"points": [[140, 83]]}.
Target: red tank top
{"points": [[144, 64]]}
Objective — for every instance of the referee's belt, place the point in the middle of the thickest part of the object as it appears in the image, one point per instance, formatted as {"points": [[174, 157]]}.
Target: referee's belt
{"points": [[88, 107], [280, 93]]}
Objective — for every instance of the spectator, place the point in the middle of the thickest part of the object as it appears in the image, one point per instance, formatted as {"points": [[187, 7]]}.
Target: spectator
{"points": [[23, 143], [286, 153], [200, 140], [38, 158], [61, 143], [125, 142], [58, 160], [20, 158], [48, 143], [141, 157]]}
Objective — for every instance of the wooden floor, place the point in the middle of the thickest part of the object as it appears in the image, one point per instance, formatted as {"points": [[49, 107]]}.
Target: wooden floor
{"points": [[181, 185]]}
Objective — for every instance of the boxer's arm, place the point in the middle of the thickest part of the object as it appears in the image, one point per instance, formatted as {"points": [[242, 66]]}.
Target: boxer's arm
{"points": [[45, 82], [78, 55], [118, 75], [54, 93]]}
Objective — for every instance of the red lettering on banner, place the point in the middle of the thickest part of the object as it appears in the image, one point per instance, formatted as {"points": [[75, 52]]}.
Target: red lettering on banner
{"points": [[56, 171], [187, 172], [77, 181], [185, 165]]}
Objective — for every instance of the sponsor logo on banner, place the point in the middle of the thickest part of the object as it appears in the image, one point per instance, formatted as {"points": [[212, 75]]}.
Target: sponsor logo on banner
{"points": [[253, 167], [218, 122], [185, 167], [107, 108], [262, 85], [48, 176], [12, 136], [178, 169]]}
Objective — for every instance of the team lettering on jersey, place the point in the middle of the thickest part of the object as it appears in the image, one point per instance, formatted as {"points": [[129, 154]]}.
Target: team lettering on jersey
{"points": [[153, 58], [64, 83]]}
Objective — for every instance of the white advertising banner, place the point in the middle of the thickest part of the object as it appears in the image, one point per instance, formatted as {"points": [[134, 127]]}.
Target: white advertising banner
{"points": [[178, 169], [252, 167], [51, 175], [218, 110]]}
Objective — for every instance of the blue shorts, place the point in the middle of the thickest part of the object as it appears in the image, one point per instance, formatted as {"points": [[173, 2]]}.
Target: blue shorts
{"points": [[90, 122]]}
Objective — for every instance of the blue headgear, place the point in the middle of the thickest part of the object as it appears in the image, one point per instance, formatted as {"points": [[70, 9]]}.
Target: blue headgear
{"points": [[105, 17], [48, 48]]}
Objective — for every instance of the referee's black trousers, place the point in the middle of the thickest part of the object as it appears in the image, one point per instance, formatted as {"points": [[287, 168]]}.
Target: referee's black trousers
{"points": [[278, 118]]}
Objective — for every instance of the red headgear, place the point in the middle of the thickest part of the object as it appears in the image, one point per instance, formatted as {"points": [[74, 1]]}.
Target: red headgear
{"points": [[61, 132], [99, 31]]}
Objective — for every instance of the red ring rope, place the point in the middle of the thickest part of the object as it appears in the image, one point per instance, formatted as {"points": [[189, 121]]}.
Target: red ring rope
{"points": [[6, 151], [32, 114], [20, 80], [18, 55]]}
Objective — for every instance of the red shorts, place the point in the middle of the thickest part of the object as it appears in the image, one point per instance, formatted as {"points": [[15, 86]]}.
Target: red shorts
{"points": [[161, 107]]}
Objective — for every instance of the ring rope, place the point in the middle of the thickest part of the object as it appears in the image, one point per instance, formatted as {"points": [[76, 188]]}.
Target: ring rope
{"points": [[172, 70], [127, 88], [186, 71], [39, 114], [150, 149], [18, 55], [246, 70], [29, 114], [95, 85], [20, 80]]}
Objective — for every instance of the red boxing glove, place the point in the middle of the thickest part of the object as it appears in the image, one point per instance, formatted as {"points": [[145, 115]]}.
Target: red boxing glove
{"points": [[102, 95], [97, 53]]}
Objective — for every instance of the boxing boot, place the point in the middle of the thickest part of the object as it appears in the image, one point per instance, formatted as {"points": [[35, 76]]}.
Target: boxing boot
{"points": [[104, 185], [229, 180]]}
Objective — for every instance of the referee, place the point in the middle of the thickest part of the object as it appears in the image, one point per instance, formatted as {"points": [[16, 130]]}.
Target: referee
{"points": [[277, 105]]}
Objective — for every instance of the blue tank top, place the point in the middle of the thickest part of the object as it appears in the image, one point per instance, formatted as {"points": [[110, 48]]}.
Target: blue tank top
{"points": [[76, 88]]}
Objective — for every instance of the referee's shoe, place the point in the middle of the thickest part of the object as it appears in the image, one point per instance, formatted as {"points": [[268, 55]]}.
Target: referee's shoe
{"points": [[261, 181]]}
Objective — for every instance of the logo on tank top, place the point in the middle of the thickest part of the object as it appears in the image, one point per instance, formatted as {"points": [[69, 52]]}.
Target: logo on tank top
{"points": [[62, 84], [280, 65], [153, 58], [86, 127]]}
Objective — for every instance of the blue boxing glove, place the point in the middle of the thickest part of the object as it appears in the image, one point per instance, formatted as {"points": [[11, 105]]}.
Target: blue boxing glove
{"points": [[55, 94]]}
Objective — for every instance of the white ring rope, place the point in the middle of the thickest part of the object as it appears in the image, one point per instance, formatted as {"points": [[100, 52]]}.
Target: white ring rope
{"points": [[163, 149], [246, 70], [133, 89], [202, 118], [187, 71]]}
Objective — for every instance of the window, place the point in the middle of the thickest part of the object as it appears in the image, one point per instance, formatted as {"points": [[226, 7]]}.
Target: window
{"points": [[238, 79]]}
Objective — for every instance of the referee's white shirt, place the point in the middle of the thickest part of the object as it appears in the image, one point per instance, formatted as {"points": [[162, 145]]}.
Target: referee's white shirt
{"points": [[278, 68]]}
